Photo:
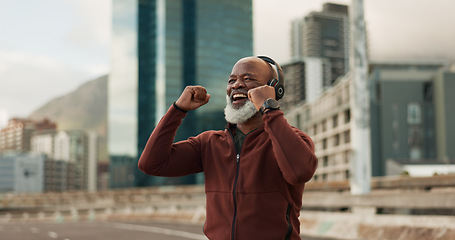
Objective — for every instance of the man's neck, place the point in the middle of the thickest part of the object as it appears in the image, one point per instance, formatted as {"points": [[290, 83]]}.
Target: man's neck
{"points": [[251, 124]]}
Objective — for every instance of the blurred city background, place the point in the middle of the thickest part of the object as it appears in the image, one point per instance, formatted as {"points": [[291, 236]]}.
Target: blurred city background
{"points": [[83, 84]]}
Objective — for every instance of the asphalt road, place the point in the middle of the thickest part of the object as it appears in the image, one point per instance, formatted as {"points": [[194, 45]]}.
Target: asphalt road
{"points": [[104, 230]]}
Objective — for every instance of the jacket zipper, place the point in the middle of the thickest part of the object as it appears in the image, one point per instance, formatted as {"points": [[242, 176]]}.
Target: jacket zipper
{"points": [[234, 194], [235, 197], [288, 219]]}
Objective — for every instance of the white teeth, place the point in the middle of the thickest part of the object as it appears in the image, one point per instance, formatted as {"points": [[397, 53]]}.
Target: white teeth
{"points": [[238, 95]]}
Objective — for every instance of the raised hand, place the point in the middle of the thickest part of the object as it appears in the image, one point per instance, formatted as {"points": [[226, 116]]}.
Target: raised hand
{"points": [[192, 98], [258, 95]]}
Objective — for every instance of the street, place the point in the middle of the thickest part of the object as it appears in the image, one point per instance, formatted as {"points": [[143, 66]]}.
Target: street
{"points": [[104, 230]]}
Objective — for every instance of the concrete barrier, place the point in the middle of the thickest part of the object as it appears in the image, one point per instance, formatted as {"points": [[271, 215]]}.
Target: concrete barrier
{"points": [[390, 211], [380, 227]]}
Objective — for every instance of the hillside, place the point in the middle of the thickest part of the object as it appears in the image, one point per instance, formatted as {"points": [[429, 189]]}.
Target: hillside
{"points": [[84, 108]]}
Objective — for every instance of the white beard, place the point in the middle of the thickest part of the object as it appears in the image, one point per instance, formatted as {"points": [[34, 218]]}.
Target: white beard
{"points": [[241, 114]]}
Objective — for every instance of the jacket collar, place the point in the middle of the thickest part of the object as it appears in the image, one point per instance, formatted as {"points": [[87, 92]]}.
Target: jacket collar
{"points": [[230, 127]]}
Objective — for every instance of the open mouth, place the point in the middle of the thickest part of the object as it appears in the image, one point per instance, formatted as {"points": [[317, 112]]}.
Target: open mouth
{"points": [[239, 98]]}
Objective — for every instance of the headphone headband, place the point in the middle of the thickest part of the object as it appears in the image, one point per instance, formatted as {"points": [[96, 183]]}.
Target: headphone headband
{"points": [[276, 83], [275, 65]]}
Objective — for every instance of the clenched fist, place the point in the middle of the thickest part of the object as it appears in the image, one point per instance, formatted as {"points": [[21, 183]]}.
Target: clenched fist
{"points": [[192, 97], [258, 95]]}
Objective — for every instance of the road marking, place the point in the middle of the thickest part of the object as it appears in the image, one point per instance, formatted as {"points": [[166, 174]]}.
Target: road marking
{"points": [[164, 231], [52, 234]]}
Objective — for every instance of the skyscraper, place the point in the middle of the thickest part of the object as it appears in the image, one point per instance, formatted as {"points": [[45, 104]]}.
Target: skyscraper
{"points": [[320, 54], [324, 35], [159, 47], [409, 112]]}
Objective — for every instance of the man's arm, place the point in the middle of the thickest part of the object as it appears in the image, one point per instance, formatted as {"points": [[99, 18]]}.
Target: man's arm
{"points": [[293, 149], [163, 158]]}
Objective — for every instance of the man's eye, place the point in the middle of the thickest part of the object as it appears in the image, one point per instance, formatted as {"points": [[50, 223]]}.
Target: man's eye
{"points": [[231, 80]]}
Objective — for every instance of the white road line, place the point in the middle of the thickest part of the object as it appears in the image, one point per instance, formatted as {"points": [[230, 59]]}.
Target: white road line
{"points": [[164, 231], [52, 234]]}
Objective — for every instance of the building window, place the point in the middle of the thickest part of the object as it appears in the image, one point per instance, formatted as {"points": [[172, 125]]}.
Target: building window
{"points": [[347, 116], [315, 129], [346, 157], [324, 143], [337, 140], [324, 125], [347, 136], [325, 161], [335, 121], [414, 113], [428, 92], [346, 174]]}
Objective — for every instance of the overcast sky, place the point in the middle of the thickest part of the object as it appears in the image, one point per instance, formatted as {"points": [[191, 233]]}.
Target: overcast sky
{"points": [[49, 47]]}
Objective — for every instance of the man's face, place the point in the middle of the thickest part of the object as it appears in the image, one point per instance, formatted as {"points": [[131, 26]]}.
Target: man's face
{"points": [[247, 73]]}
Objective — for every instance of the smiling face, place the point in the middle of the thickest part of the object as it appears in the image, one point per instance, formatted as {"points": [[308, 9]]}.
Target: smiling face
{"points": [[247, 73]]}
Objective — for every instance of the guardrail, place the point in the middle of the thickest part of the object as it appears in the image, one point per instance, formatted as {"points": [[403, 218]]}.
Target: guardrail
{"points": [[389, 183], [396, 208], [150, 194]]}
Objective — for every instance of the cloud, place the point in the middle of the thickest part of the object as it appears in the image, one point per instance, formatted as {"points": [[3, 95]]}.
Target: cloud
{"points": [[405, 29], [272, 24], [28, 81], [3, 118], [410, 29], [50, 48], [92, 30]]}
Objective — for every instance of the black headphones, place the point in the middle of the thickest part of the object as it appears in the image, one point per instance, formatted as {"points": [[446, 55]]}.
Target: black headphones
{"points": [[276, 83]]}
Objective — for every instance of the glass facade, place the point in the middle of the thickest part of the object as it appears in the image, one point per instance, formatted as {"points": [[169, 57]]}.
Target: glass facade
{"points": [[159, 47], [123, 80], [402, 114]]}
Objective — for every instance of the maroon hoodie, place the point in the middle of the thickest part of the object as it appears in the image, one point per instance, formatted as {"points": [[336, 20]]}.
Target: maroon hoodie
{"points": [[256, 194]]}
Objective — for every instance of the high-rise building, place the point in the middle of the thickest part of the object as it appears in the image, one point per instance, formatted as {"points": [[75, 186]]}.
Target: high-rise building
{"points": [[298, 89], [22, 172], [325, 35], [43, 142], [16, 136], [409, 117], [410, 112], [159, 47], [328, 121], [72, 158]]}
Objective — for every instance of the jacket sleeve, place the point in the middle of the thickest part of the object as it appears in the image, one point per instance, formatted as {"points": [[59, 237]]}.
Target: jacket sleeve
{"points": [[162, 157], [293, 149]]}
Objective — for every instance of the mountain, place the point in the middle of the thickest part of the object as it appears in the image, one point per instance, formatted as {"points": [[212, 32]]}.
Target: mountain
{"points": [[82, 109]]}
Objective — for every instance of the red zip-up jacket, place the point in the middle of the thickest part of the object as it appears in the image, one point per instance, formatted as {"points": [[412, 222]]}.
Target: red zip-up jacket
{"points": [[256, 194]]}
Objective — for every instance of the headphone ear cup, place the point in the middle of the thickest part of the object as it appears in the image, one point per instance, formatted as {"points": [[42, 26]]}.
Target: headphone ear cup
{"points": [[279, 88], [279, 91]]}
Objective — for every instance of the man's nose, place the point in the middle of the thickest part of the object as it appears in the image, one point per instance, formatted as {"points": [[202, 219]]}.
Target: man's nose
{"points": [[239, 83]]}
